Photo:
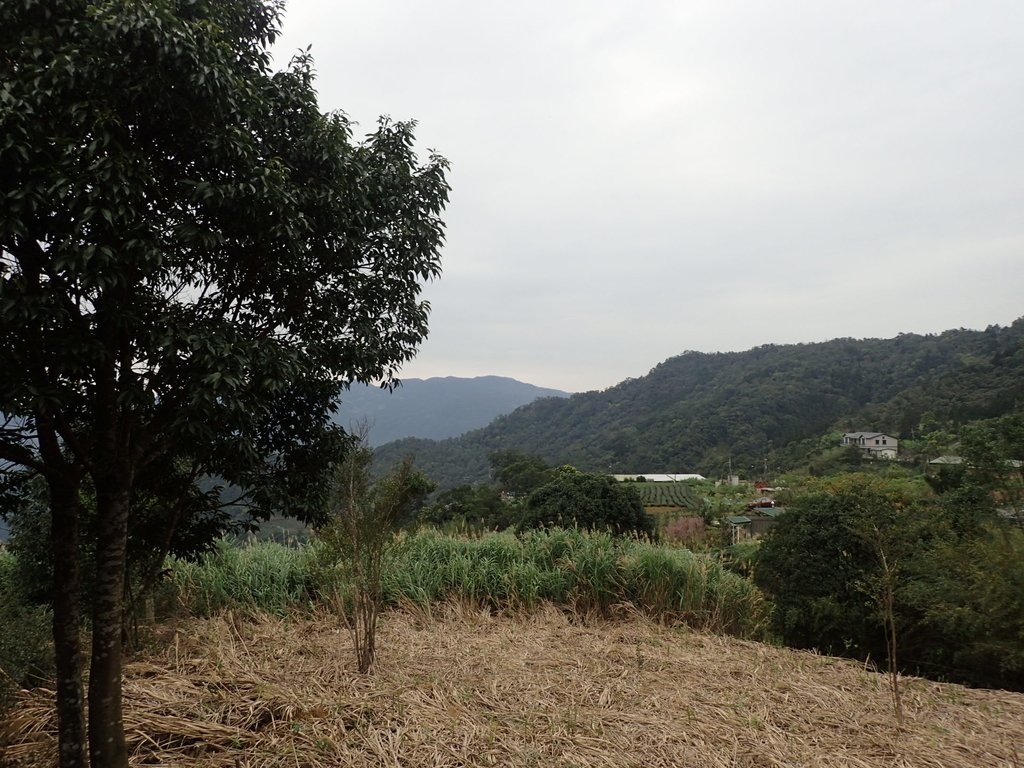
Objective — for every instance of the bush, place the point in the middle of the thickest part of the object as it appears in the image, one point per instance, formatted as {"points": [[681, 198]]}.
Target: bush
{"points": [[587, 500], [26, 649], [814, 562], [685, 530], [856, 556]]}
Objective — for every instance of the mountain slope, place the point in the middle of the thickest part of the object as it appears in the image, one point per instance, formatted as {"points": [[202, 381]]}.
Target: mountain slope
{"points": [[698, 411], [435, 408]]}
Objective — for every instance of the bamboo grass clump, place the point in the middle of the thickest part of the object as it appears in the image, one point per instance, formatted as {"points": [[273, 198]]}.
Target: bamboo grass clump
{"points": [[590, 574], [587, 573], [265, 577]]}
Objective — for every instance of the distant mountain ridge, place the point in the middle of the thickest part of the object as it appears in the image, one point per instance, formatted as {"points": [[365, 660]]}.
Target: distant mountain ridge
{"points": [[435, 408], [699, 412]]}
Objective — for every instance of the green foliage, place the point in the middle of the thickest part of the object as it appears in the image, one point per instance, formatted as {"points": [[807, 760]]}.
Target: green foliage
{"points": [[989, 482], [994, 453], [26, 653], [194, 261], [815, 559], [364, 517], [265, 577], [471, 507], [741, 557], [172, 519], [588, 572], [697, 411], [857, 555], [584, 572], [519, 474], [591, 501], [977, 605], [838, 459]]}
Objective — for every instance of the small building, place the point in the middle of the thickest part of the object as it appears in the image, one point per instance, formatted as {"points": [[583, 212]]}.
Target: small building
{"points": [[739, 528], [763, 523], [660, 477], [946, 461], [876, 445]]}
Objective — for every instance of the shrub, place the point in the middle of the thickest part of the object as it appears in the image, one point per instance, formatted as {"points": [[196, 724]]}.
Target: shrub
{"points": [[365, 515], [26, 650], [685, 530], [587, 500]]}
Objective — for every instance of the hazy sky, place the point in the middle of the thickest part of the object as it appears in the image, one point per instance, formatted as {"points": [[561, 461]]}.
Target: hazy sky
{"points": [[635, 179]]}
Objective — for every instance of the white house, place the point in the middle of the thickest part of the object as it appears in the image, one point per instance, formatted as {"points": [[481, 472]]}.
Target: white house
{"points": [[877, 445]]}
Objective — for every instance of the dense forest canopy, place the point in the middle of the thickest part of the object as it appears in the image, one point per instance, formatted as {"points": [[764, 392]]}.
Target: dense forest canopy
{"points": [[771, 406]]}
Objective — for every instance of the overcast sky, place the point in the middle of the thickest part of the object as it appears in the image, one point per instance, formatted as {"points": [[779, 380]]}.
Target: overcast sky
{"points": [[636, 179]]}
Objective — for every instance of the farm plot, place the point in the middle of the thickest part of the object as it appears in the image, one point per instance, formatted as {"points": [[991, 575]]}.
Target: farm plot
{"points": [[674, 495]]}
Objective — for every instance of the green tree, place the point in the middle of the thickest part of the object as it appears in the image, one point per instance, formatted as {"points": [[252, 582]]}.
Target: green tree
{"points": [[478, 506], [587, 500], [519, 473], [817, 560], [990, 481], [994, 453], [967, 593], [194, 261]]}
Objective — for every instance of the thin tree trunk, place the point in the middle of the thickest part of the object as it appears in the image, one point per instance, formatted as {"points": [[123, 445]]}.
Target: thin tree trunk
{"points": [[64, 480], [67, 622], [107, 746]]}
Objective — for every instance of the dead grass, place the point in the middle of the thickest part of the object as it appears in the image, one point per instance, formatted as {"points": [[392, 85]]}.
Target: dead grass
{"points": [[464, 688]]}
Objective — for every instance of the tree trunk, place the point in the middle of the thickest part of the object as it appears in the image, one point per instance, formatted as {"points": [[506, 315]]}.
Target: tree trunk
{"points": [[67, 621], [64, 482], [107, 747]]}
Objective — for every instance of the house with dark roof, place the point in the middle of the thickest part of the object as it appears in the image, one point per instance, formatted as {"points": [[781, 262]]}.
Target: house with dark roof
{"points": [[876, 445]]}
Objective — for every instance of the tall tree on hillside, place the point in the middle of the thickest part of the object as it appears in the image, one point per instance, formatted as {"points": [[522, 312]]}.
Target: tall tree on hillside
{"points": [[194, 261]]}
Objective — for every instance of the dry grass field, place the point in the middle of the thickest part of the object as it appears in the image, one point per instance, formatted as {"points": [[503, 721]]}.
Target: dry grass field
{"points": [[464, 688]]}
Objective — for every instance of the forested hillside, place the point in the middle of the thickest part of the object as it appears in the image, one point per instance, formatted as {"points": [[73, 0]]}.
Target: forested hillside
{"points": [[698, 411]]}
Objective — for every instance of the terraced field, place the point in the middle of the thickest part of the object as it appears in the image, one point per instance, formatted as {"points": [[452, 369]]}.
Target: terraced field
{"points": [[676, 495]]}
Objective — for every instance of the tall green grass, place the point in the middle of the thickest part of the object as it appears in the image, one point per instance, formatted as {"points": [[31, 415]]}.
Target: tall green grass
{"points": [[588, 573], [266, 576]]}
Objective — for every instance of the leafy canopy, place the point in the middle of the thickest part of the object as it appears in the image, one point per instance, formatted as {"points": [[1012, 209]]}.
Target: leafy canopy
{"points": [[195, 261], [187, 242], [587, 500]]}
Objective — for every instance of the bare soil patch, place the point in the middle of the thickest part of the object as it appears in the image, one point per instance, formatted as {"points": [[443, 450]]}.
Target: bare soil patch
{"points": [[464, 688]]}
